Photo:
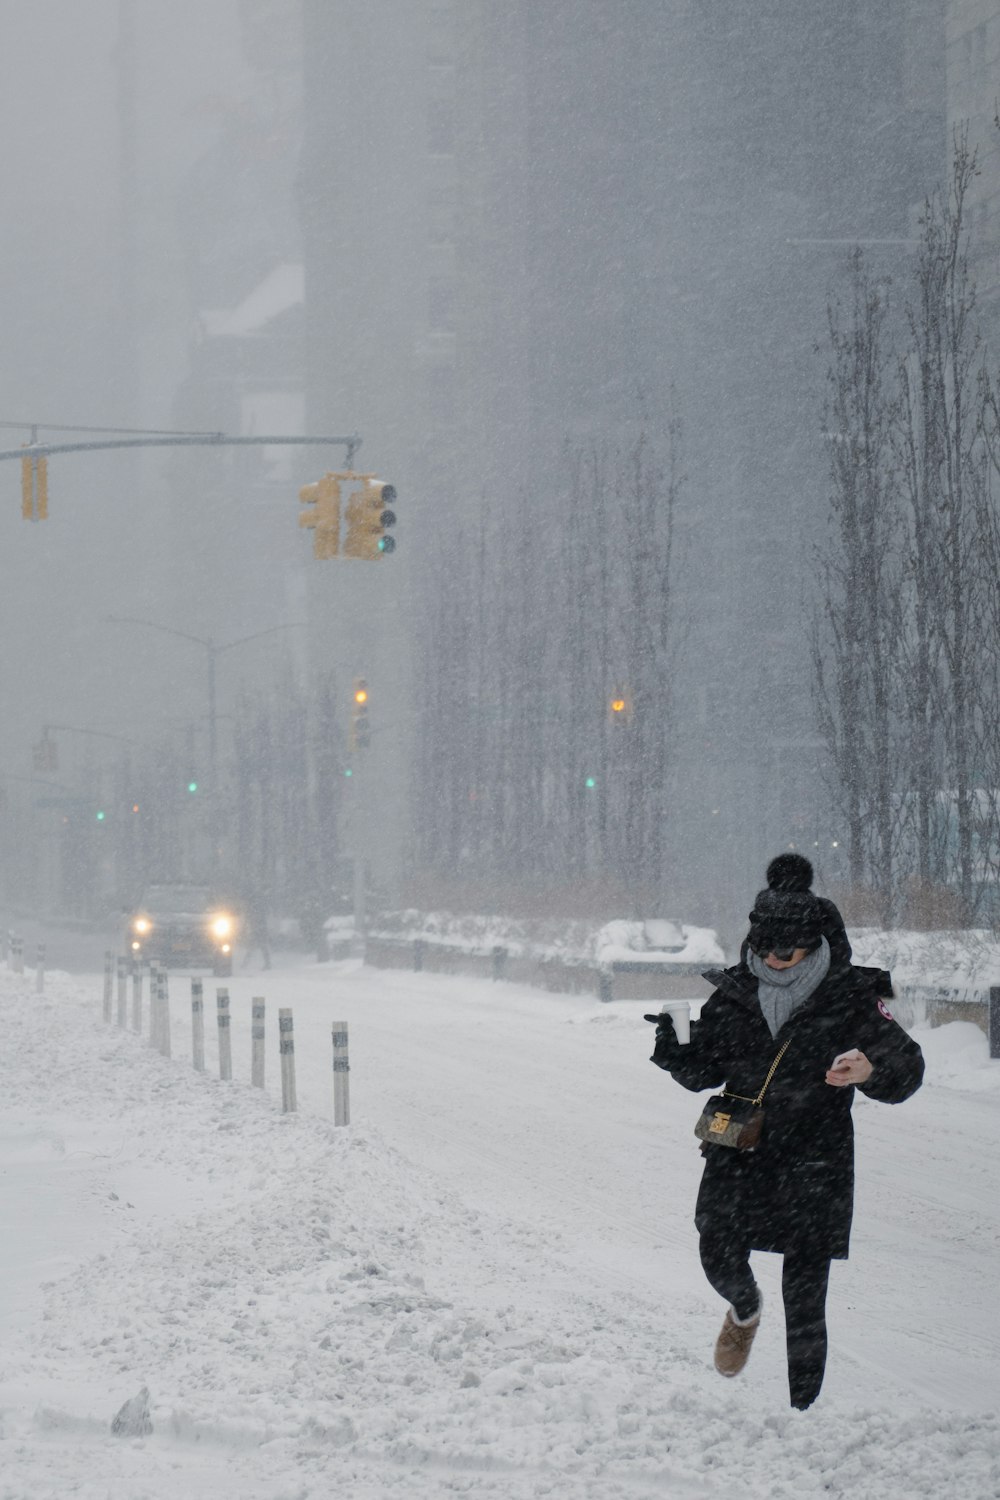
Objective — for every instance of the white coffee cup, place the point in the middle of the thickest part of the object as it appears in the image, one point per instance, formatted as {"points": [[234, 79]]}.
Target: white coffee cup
{"points": [[679, 1012]]}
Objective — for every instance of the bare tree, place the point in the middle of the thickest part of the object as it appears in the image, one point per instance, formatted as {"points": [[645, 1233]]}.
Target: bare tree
{"points": [[285, 790], [857, 632], [909, 623], [941, 447], [547, 617]]}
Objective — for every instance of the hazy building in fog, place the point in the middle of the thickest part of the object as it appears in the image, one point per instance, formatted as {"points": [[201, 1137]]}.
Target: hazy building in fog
{"points": [[530, 225], [472, 233], [972, 52]]}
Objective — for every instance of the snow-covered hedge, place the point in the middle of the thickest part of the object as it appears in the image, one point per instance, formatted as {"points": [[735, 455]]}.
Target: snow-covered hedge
{"points": [[963, 964], [566, 941]]}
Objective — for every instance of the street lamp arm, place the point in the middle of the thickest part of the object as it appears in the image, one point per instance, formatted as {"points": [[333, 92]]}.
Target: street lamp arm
{"points": [[36, 781], [152, 625], [209, 646], [100, 734], [291, 625]]}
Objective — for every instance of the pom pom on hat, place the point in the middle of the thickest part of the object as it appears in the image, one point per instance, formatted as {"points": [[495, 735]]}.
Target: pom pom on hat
{"points": [[790, 872]]}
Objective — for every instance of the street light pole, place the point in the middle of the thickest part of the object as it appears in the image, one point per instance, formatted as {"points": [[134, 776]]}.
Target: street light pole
{"points": [[212, 652], [212, 724]]}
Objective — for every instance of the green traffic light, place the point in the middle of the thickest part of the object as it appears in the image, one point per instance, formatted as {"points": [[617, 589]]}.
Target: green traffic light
{"points": [[192, 786], [348, 772], [590, 783], [100, 817]]}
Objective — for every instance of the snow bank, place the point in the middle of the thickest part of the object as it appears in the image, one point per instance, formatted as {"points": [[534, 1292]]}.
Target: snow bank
{"points": [[958, 1056]]}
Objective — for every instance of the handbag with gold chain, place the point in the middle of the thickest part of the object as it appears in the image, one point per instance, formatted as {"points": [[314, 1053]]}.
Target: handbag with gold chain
{"points": [[733, 1119]]}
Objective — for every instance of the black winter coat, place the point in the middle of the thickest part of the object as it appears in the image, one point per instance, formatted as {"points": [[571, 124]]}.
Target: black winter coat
{"points": [[797, 1187]]}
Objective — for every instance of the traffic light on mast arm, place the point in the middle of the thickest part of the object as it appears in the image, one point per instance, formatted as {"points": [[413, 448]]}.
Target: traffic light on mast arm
{"points": [[360, 737], [35, 488], [323, 515], [370, 519]]}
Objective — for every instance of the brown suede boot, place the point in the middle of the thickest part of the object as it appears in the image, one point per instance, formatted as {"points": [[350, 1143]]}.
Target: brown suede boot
{"points": [[732, 1347]]}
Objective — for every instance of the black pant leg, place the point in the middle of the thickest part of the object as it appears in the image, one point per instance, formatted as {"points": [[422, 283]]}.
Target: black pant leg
{"points": [[725, 1259], [804, 1280]]}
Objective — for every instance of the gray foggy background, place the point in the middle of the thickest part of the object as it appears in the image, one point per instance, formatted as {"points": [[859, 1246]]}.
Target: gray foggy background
{"points": [[482, 236]]}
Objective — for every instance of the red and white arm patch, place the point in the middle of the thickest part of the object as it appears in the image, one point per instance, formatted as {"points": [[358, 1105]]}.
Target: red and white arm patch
{"points": [[884, 1010]]}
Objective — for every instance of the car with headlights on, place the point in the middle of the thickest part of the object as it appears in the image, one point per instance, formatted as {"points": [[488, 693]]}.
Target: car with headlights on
{"points": [[182, 924]]}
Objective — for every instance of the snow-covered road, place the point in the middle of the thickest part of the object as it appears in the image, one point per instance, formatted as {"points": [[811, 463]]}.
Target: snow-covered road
{"points": [[488, 1284], [543, 1108]]}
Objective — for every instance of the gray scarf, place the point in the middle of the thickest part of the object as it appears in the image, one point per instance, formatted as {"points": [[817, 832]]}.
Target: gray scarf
{"points": [[782, 991]]}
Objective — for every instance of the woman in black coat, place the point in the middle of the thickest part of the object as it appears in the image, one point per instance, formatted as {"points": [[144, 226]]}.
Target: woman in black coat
{"points": [[794, 1193]]}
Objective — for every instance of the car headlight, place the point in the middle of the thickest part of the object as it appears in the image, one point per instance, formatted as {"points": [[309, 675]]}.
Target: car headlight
{"points": [[222, 927], [142, 924]]}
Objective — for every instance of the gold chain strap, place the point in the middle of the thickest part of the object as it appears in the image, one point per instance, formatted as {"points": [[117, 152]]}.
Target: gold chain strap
{"points": [[760, 1097]]}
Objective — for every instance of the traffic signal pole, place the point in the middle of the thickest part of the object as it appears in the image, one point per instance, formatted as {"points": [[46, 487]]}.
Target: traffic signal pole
{"points": [[36, 450], [33, 455], [360, 915]]}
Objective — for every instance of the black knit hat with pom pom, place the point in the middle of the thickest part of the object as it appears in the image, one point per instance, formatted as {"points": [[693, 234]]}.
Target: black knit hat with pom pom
{"points": [[790, 872], [783, 920]]}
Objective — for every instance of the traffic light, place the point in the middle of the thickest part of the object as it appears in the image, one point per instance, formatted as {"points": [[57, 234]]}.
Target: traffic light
{"points": [[35, 488], [360, 737], [620, 709], [369, 519], [323, 516]]}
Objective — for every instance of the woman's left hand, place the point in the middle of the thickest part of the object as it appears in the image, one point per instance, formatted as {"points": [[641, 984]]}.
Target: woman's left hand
{"points": [[849, 1067]]}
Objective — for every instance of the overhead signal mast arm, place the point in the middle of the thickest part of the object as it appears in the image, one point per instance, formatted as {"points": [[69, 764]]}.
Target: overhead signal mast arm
{"points": [[33, 455]]}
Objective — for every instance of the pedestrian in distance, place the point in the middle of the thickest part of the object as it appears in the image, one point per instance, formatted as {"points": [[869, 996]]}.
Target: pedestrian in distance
{"points": [[788, 1035]]}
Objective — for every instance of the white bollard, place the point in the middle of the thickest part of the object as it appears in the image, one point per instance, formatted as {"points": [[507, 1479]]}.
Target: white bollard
{"points": [[40, 970], [341, 1075], [137, 995], [197, 1027], [225, 1039], [154, 1004], [257, 1042], [164, 1037], [286, 1047], [122, 967], [109, 967]]}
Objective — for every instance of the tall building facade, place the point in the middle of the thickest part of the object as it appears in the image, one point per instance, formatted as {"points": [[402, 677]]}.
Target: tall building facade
{"points": [[527, 226]]}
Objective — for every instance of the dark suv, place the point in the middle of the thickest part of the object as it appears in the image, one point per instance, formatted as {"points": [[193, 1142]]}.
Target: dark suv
{"points": [[181, 924]]}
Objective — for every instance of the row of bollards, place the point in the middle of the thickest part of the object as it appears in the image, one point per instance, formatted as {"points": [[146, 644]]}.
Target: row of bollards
{"points": [[116, 975], [14, 954]]}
